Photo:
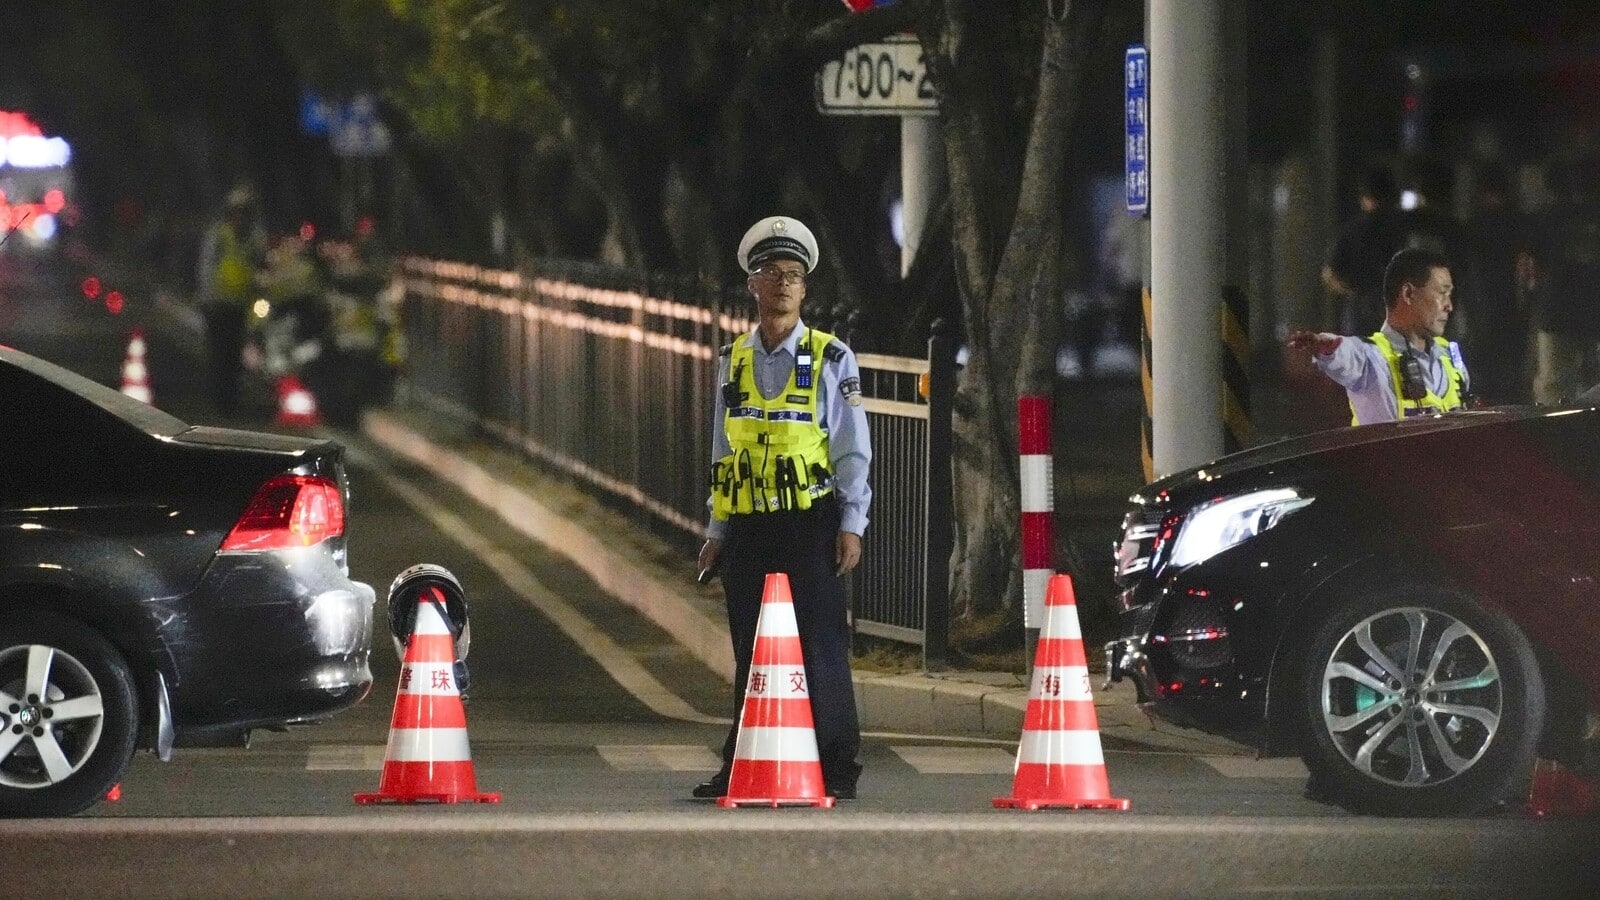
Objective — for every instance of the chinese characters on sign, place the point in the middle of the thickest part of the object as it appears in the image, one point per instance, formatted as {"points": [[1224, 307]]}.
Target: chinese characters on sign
{"points": [[1136, 77]]}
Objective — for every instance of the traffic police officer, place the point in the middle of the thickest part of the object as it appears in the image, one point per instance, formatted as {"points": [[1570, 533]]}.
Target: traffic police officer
{"points": [[789, 489], [1406, 368]]}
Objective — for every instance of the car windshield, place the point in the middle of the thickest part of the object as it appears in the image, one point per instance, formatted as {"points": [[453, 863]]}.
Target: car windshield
{"points": [[142, 416]]}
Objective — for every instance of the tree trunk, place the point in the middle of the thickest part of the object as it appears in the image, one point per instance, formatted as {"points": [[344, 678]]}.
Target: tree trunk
{"points": [[1007, 245]]}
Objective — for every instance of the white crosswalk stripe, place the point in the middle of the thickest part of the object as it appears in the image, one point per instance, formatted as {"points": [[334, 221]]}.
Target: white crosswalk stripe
{"points": [[701, 758], [658, 757], [958, 760], [341, 758]]}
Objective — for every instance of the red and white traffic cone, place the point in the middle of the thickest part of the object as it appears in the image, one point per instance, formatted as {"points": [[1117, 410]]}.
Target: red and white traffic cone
{"points": [[135, 374], [775, 759], [428, 758], [1059, 762], [297, 406], [1560, 793]]}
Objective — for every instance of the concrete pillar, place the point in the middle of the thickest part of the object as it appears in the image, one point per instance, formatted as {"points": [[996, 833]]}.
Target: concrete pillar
{"points": [[1187, 230]]}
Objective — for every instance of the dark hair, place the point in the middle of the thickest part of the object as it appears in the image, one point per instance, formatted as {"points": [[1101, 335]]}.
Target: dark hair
{"points": [[1413, 266]]}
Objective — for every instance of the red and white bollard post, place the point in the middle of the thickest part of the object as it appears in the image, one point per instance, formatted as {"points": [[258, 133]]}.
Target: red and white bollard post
{"points": [[1038, 505]]}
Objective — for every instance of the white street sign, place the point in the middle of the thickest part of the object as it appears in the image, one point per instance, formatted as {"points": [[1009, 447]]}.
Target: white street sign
{"points": [[888, 78]]}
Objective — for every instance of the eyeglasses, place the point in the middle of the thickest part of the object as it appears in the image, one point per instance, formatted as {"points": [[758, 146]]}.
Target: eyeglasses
{"points": [[777, 275]]}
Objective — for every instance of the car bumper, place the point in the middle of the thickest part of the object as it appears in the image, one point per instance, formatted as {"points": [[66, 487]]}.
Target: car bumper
{"points": [[1179, 647], [270, 639]]}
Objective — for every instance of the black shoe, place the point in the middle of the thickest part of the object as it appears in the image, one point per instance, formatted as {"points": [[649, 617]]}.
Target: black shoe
{"points": [[842, 791], [711, 790]]}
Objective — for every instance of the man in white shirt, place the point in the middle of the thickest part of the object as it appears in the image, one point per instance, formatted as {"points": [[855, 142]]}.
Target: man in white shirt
{"points": [[1407, 367]]}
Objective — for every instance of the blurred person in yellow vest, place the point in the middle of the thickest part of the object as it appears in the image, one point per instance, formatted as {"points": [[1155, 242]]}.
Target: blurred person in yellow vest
{"points": [[231, 255]]}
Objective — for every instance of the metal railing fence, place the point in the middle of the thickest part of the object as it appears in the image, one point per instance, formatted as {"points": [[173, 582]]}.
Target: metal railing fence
{"points": [[612, 382]]}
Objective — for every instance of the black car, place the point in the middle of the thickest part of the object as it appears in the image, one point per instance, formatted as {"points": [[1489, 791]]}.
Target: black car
{"points": [[1412, 607], [160, 585]]}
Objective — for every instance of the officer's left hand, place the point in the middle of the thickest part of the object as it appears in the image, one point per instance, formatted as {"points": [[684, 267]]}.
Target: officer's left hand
{"points": [[847, 551]]}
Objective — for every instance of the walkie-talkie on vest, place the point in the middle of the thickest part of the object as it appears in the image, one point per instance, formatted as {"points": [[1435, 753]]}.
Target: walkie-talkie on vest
{"points": [[730, 388], [1414, 381]]}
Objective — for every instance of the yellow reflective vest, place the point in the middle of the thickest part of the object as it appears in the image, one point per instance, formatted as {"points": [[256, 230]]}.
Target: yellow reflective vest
{"points": [[1431, 402], [779, 459]]}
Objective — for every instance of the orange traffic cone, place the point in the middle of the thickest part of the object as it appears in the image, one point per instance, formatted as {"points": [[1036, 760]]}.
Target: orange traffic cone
{"points": [[1059, 762], [775, 761], [297, 406], [428, 759], [135, 375], [1559, 793]]}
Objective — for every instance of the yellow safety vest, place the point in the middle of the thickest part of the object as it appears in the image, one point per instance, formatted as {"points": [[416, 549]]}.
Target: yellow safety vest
{"points": [[1431, 402], [234, 278], [779, 459]]}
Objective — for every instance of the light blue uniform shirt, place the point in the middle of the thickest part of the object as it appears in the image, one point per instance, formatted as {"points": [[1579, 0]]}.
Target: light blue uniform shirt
{"points": [[1360, 368], [849, 447]]}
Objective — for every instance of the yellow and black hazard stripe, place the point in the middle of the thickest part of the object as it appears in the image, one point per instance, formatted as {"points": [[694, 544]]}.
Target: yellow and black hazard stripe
{"points": [[1239, 431], [1146, 432]]}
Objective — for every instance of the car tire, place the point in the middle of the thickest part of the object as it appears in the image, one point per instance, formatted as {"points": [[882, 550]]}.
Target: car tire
{"points": [[91, 751], [1418, 701]]}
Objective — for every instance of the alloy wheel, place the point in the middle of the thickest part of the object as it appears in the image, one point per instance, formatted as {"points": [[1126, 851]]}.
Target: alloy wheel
{"points": [[1412, 697], [51, 716]]}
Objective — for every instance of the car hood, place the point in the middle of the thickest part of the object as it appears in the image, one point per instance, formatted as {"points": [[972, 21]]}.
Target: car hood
{"points": [[1291, 452]]}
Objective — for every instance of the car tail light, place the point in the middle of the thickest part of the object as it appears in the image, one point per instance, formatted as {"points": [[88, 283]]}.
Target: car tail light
{"points": [[289, 511]]}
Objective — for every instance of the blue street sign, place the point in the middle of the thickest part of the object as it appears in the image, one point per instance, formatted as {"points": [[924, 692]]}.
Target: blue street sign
{"points": [[314, 113], [1136, 158]]}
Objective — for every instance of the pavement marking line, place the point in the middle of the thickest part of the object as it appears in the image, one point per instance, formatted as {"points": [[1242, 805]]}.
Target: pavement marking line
{"points": [[344, 758], [611, 656], [1249, 767], [660, 757], [958, 760]]}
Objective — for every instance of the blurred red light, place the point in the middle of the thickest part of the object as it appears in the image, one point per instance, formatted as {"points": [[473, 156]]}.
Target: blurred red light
{"points": [[114, 302], [91, 287], [54, 200], [308, 231]]}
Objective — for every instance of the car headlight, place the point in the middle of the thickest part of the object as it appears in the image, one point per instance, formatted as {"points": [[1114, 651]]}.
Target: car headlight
{"points": [[1219, 524]]}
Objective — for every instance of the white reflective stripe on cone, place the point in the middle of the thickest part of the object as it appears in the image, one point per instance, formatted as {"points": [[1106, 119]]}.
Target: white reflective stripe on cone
{"points": [[1064, 748], [430, 679], [1072, 683], [1061, 622], [429, 621], [1037, 472], [1035, 585], [779, 682], [428, 745], [787, 744], [777, 620]]}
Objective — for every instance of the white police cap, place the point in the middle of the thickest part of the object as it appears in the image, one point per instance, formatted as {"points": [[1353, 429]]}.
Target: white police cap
{"points": [[778, 236]]}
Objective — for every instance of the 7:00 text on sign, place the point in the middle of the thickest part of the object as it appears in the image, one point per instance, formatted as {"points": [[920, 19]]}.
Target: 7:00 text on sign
{"points": [[888, 78]]}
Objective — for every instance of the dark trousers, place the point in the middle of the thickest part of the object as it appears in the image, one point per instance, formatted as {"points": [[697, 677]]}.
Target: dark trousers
{"points": [[225, 325], [800, 544]]}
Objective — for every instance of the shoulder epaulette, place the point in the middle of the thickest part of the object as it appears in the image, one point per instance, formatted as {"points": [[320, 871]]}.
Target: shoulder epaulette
{"points": [[727, 350], [834, 351]]}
